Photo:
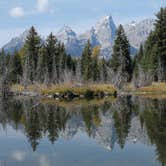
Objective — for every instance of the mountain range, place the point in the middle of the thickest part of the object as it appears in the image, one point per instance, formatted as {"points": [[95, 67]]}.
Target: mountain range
{"points": [[102, 34]]}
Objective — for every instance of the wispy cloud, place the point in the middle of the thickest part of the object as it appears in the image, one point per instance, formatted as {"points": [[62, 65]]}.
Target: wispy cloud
{"points": [[18, 155], [43, 6], [44, 161], [17, 12]]}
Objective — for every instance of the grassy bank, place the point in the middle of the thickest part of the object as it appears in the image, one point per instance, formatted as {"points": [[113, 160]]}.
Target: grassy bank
{"points": [[156, 89], [63, 90], [86, 91]]}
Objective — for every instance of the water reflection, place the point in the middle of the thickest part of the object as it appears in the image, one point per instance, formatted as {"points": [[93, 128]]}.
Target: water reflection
{"points": [[126, 119]]}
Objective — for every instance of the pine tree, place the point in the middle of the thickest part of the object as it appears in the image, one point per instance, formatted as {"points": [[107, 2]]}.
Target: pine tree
{"points": [[103, 70], [2, 63], [65, 65], [95, 63], [140, 76], [57, 63], [160, 33], [32, 46], [51, 48], [121, 63], [15, 68], [4, 75], [149, 61], [137, 61], [86, 63], [63, 57], [42, 70]]}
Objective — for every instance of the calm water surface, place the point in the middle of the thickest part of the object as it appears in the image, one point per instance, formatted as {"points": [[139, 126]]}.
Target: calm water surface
{"points": [[127, 131]]}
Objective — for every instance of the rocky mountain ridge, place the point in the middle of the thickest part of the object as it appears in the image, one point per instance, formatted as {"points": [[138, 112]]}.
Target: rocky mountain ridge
{"points": [[102, 34]]}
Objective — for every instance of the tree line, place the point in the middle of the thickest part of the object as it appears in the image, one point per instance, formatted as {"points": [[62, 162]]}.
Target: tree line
{"points": [[47, 62], [150, 62]]}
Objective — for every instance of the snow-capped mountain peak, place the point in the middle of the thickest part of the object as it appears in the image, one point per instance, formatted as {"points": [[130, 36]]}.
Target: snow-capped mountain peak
{"points": [[105, 30], [103, 33], [66, 30], [16, 43], [67, 36]]}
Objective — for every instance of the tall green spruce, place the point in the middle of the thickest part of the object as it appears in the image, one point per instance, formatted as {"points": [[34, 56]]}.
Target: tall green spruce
{"points": [[42, 70], [2, 63], [95, 64], [15, 68], [103, 67], [52, 57], [86, 65], [4, 74], [121, 63], [160, 33], [32, 47]]}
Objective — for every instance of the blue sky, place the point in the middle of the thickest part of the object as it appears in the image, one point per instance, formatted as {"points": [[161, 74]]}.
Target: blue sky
{"points": [[50, 15]]}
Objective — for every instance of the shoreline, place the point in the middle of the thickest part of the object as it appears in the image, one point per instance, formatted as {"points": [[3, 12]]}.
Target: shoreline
{"points": [[99, 91], [65, 92]]}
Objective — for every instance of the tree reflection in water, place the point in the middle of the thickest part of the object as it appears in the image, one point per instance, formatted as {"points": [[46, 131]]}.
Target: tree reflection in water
{"points": [[110, 122]]}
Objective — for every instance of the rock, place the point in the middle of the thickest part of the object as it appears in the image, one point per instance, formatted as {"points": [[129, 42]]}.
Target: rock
{"points": [[49, 96], [30, 94]]}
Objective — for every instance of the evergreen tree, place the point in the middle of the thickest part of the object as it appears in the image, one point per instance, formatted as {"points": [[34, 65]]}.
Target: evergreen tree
{"points": [[153, 62], [42, 70], [103, 70], [95, 63], [121, 63], [32, 46], [4, 75], [15, 68], [2, 63], [149, 62], [63, 57], [160, 33], [136, 66], [86, 64], [57, 63], [51, 53]]}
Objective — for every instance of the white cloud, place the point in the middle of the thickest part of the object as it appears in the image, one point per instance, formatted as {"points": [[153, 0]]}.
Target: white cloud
{"points": [[17, 12], [43, 6], [43, 160], [18, 155]]}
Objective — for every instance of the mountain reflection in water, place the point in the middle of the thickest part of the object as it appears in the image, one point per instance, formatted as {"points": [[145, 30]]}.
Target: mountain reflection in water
{"points": [[114, 124]]}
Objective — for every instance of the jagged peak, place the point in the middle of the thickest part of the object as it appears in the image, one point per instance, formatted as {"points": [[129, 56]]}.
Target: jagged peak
{"points": [[92, 31], [106, 19], [105, 22], [25, 34], [66, 29]]}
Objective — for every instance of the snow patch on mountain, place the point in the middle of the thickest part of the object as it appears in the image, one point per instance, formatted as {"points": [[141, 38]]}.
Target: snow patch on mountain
{"points": [[137, 32], [67, 36]]}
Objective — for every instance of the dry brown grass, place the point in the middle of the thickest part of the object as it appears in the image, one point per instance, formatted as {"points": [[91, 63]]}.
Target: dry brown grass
{"points": [[158, 88], [79, 90], [62, 88]]}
